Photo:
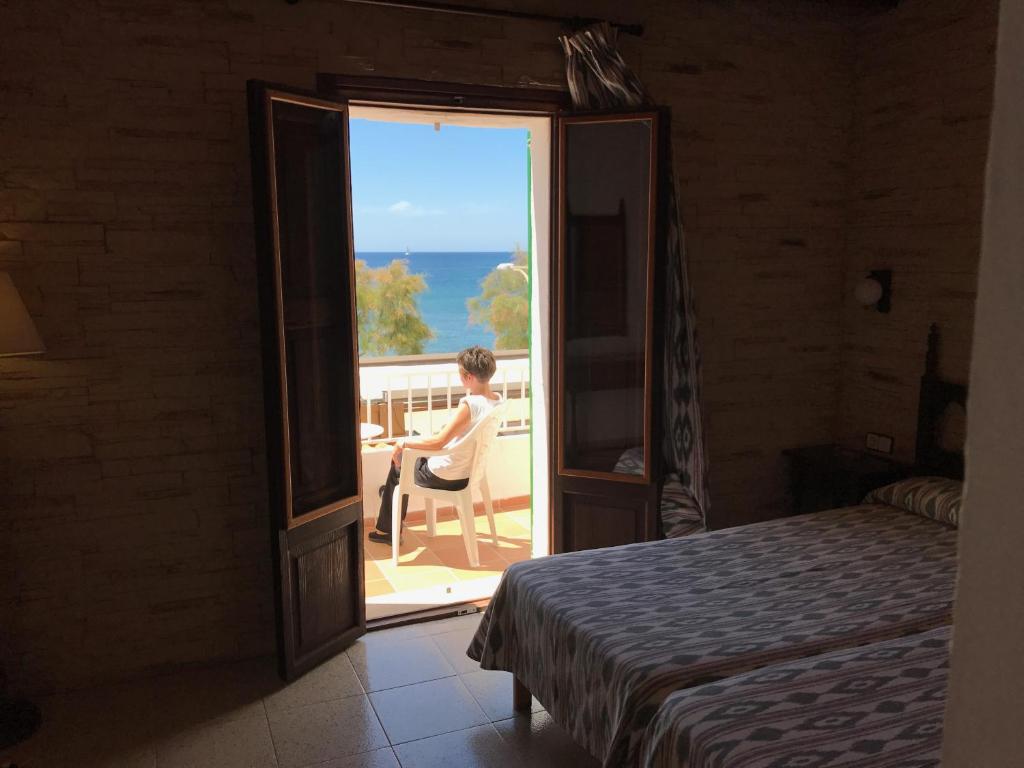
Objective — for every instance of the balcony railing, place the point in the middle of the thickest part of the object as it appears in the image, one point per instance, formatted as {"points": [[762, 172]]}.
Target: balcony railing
{"points": [[417, 394]]}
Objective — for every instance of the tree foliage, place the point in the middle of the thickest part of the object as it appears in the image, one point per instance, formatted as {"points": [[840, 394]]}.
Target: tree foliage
{"points": [[504, 304], [387, 311]]}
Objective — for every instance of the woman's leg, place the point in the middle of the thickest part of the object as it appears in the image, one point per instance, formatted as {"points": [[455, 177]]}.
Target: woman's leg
{"points": [[384, 513]]}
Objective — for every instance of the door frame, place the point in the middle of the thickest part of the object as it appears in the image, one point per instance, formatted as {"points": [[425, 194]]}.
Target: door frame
{"points": [[542, 102]]}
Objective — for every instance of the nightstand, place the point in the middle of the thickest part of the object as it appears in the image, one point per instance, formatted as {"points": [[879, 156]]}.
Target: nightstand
{"points": [[830, 476]]}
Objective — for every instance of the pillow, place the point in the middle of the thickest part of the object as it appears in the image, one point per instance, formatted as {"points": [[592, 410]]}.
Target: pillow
{"points": [[631, 462], [680, 515], [936, 497]]}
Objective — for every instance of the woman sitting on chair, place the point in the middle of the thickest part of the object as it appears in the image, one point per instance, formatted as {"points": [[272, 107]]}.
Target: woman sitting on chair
{"points": [[451, 471]]}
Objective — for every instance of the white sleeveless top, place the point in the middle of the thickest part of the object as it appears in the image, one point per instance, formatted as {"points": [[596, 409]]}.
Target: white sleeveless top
{"points": [[456, 464]]}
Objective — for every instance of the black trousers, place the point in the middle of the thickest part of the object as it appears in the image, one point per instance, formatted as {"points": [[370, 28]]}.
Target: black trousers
{"points": [[424, 477]]}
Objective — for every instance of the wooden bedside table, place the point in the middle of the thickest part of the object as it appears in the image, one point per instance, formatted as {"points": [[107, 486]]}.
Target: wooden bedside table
{"points": [[830, 476]]}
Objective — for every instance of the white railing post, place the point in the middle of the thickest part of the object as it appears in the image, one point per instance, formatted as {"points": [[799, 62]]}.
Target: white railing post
{"points": [[391, 379]]}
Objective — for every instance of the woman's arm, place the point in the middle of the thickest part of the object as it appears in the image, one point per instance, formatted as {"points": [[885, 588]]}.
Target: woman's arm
{"points": [[438, 441]]}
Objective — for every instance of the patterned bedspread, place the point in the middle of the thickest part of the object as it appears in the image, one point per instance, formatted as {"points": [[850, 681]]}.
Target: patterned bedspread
{"points": [[602, 637], [879, 705]]}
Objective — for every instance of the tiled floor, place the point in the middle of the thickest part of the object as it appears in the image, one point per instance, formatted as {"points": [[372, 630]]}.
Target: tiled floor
{"points": [[435, 570], [400, 697]]}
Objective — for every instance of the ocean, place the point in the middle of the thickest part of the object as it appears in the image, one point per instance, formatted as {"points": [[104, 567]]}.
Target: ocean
{"points": [[451, 278]]}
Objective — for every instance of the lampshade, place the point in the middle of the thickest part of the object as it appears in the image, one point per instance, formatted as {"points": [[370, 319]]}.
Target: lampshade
{"points": [[18, 335]]}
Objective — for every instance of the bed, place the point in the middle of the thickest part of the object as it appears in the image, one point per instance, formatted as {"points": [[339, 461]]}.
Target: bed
{"points": [[602, 637], [879, 705]]}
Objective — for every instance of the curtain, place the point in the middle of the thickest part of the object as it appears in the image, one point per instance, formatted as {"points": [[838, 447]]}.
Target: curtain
{"points": [[600, 80]]}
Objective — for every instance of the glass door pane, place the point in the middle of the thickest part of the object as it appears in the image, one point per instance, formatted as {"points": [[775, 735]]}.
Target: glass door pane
{"points": [[605, 273], [316, 298]]}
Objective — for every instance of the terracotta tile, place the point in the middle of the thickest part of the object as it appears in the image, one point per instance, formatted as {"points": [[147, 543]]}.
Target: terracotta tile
{"points": [[458, 562], [420, 577], [379, 587], [507, 526], [372, 572], [410, 556]]}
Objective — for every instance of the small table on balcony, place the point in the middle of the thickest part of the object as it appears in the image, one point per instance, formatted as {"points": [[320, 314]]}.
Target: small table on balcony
{"points": [[370, 431]]}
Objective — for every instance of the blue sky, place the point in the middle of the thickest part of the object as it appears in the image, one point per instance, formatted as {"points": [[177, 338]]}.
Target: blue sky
{"points": [[457, 189]]}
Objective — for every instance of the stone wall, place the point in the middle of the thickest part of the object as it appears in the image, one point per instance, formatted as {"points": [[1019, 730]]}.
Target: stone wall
{"points": [[923, 95], [134, 529]]}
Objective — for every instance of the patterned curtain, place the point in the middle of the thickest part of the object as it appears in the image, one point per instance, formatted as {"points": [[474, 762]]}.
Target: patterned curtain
{"points": [[600, 80]]}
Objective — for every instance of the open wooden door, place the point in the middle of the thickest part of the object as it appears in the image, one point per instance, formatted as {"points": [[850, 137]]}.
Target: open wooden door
{"points": [[303, 219], [605, 471]]}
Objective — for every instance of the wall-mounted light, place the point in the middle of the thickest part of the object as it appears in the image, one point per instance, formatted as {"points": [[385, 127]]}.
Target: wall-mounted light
{"points": [[875, 290]]}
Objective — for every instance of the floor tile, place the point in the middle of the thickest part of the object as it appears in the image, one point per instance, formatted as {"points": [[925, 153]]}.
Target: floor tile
{"points": [[334, 679], [417, 629], [108, 726], [232, 744], [378, 758], [228, 692], [493, 692], [52, 746], [326, 731], [452, 623], [426, 709], [479, 747], [390, 663], [453, 645], [542, 743]]}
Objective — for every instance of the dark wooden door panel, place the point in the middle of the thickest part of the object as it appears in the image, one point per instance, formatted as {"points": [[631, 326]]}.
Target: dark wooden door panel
{"points": [[319, 561], [593, 517], [303, 220]]}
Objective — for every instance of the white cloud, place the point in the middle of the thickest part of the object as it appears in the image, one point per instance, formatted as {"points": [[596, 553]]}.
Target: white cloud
{"points": [[405, 208]]}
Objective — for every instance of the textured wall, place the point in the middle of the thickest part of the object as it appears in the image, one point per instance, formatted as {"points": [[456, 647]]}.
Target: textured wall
{"points": [[133, 534], [923, 94], [986, 688]]}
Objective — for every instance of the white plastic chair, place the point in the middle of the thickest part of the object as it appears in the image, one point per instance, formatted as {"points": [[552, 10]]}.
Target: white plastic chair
{"points": [[483, 434]]}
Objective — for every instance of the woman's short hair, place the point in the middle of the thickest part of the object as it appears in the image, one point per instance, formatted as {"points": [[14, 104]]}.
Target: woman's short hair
{"points": [[478, 361]]}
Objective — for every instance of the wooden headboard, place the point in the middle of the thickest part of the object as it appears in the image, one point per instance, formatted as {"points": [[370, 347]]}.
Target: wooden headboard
{"points": [[931, 457]]}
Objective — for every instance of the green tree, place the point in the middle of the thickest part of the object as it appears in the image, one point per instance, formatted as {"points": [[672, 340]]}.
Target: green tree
{"points": [[387, 311], [504, 304]]}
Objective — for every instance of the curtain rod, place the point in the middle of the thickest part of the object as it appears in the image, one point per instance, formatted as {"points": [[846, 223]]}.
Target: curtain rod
{"points": [[572, 22]]}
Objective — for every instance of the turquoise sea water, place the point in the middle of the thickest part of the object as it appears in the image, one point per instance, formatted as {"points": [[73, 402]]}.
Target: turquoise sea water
{"points": [[451, 278]]}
